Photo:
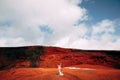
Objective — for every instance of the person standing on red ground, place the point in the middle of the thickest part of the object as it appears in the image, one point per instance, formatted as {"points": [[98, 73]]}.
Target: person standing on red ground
{"points": [[59, 70]]}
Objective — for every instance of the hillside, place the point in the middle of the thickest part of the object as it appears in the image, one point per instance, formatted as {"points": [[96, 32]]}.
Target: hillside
{"points": [[40, 63], [50, 57]]}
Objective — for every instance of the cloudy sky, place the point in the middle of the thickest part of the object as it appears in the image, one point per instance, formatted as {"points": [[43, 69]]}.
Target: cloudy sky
{"points": [[82, 24]]}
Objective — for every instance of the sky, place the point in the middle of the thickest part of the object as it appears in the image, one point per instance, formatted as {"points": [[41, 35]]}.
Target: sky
{"points": [[80, 24]]}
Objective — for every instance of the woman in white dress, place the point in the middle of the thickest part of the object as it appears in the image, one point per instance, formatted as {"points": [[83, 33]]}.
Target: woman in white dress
{"points": [[59, 70]]}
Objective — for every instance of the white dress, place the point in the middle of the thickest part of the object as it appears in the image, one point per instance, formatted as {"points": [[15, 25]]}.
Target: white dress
{"points": [[59, 70]]}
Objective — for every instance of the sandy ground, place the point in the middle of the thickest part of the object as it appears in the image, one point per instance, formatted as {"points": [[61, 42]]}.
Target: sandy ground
{"points": [[70, 73]]}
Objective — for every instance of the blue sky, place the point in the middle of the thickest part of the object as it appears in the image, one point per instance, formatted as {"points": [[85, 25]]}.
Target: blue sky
{"points": [[102, 9], [82, 24]]}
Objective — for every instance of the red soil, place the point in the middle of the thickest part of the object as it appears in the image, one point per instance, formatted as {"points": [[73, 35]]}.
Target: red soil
{"points": [[99, 65], [54, 55], [52, 74], [70, 59]]}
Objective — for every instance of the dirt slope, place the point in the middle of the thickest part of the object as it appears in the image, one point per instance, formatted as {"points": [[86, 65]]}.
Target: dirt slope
{"points": [[49, 57]]}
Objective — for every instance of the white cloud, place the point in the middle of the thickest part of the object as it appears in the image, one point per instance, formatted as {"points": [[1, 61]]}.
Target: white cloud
{"points": [[76, 1], [20, 22], [104, 26], [105, 41], [25, 17], [12, 42], [90, 44]]}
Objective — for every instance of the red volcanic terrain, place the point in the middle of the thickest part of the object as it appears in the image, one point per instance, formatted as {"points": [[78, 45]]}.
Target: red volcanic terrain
{"points": [[40, 63], [52, 74]]}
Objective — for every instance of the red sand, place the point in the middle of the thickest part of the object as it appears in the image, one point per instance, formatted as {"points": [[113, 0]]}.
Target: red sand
{"points": [[69, 74]]}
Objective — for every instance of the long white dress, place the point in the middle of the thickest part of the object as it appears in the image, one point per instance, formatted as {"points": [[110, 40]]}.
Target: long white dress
{"points": [[59, 70]]}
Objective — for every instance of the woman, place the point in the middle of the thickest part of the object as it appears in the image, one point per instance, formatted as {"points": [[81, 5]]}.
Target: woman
{"points": [[59, 70]]}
